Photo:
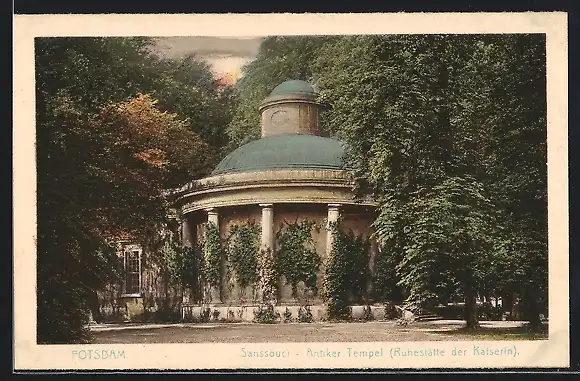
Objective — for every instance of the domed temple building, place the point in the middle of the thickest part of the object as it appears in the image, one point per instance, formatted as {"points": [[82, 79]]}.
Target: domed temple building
{"points": [[290, 175]]}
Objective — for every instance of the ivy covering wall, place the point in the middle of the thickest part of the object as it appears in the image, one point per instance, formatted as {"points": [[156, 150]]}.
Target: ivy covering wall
{"points": [[347, 274], [213, 254], [180, 264], [243, 246], [296, 258]]}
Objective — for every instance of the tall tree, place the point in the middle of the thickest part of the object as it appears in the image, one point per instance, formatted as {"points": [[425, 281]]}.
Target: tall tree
{"points": [[104, 155], [186, 86], [430, 123]]}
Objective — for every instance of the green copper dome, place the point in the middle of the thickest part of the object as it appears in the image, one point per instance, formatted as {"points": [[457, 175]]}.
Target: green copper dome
{"points": [[293, 87], [284, 152]]}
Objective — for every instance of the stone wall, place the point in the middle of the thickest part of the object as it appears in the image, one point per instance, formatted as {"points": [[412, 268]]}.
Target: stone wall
{"points": [[355, 219], [291, 118], [159, 298]]}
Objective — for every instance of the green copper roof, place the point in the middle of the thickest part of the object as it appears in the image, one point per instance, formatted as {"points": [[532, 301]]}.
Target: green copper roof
{"points": [[293, 87], [284, 152]]}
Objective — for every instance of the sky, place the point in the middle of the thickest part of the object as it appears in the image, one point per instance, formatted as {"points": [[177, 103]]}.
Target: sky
{"points": [[226, 55]]}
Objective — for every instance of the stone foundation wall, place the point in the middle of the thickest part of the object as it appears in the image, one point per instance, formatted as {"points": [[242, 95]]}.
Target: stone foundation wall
{"points": [[247, 313]]}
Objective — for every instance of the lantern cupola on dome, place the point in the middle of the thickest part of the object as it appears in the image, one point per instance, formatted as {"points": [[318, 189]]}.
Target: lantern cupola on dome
{"points": [[290, 135]]}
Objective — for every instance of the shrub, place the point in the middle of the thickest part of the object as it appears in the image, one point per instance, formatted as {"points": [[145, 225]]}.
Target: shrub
{"points": [[305, 314], [390, 311], [368, 314], [266, 315], [287, 316], [241, 313], [166, 314], [204, 315], [337, 309]]}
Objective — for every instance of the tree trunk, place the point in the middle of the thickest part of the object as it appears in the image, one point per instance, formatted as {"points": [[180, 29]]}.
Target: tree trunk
{"points": [[530, 310], [507, 301], [470, 311], [94, 306]]}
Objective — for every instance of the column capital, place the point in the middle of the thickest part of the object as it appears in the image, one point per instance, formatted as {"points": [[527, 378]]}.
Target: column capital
{"points": [[211, 210], [266, 205], [334, 206]]}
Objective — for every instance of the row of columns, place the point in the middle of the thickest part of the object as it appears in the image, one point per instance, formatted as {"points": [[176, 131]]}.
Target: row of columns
{"points": [[267, 227]]}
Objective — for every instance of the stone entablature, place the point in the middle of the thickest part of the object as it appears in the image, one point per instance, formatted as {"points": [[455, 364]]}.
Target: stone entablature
{"points": [[283, 186], [338, 177]]}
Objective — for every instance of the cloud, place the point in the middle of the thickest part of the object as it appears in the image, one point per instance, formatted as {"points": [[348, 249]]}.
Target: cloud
{"points": [[176, 47]]}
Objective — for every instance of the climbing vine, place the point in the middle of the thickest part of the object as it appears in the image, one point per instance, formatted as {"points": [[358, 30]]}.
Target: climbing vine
{"points": [[243, 248], [386, 288], [346, 273], [180, 263], [295, 258], [268, 277], [212, 255]]}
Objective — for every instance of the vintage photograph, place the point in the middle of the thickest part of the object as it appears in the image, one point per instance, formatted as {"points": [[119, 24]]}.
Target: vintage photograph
{"points": [[299, 188], [254, 197]]}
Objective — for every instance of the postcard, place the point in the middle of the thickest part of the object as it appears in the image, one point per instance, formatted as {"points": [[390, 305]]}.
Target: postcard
{"points": [[291, 191]]}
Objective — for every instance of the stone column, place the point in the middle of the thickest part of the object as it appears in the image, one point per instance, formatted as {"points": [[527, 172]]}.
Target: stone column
{"points": [[186, 241], [213, 218], [267, 240], [186, 236], [333, 214], [266, 243]]}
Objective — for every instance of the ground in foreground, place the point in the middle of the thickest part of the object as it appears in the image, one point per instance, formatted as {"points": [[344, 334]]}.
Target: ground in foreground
{"points": [[442, 330]]}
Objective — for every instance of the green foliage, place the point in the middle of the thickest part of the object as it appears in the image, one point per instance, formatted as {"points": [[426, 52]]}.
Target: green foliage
{"points": [[268, 276], [305, 314], [386, 278], [167, 314], [346, 273], [97, 143], [186, 86], [204, 315], [62, 316], [337, 309], [452, 232], [213, 254], [266, 314], [287, 316], [419, 113], [368, 314], [280, 58], [181, 263], [243, 253], [296, 257], [390, 311]]}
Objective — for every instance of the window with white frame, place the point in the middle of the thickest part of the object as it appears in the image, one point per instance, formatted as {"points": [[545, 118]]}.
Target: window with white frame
{"points": [[132, 266]]}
